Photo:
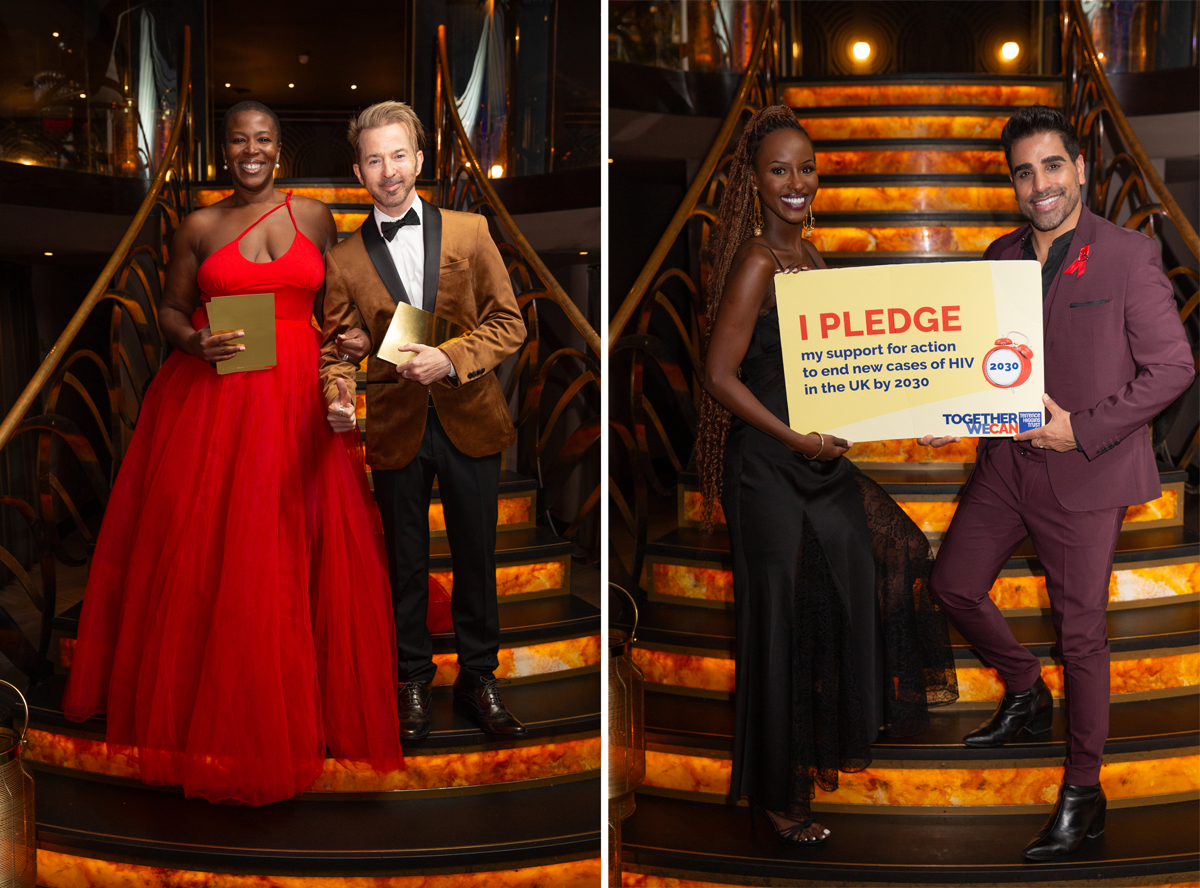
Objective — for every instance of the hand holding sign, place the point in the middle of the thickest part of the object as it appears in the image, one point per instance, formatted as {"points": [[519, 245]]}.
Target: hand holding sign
{"points": [[1057, 434]]}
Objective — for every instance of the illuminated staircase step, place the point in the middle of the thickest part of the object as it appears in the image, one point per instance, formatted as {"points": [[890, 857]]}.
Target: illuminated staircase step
{"points": [[839, 125], [930, 498], [58, 870], [345, 192], [868, 91], [967, 786], [679, 628], [551, 706], [885, 160], [479, 831], [562, 714], [696, 842], [523, 622], [929, 242], [833, 200], [704, 726]]}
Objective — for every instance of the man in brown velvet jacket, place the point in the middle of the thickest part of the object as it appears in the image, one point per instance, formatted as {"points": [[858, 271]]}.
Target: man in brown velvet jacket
{"points": [[441, 413]]}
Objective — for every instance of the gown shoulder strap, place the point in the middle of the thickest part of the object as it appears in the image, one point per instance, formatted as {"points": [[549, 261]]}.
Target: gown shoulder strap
{"points": [[772, 252]]}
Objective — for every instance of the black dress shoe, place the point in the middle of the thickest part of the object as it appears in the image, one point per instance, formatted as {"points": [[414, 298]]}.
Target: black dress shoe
{"points": [[1079, 814], [480, 701], [1028, 712], [412, 705]]}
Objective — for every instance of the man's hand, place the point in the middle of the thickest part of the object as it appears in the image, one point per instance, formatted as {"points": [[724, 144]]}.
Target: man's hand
{"points": [[930, 441], [429, 365], [341, 410], [353, 346], [1055, 435]]}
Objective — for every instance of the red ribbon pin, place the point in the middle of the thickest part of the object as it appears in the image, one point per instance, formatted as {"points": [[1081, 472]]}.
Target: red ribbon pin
{"points": [[1079, 265]]}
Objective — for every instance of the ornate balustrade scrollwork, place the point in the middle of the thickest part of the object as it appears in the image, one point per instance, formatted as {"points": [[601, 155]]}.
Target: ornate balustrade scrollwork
{"points": [[92, 432], [556, 388], [1124, 187], [662, 317]]}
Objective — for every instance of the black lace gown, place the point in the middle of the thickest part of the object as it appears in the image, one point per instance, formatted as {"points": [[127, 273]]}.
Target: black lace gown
{"points": [[837, 635]]}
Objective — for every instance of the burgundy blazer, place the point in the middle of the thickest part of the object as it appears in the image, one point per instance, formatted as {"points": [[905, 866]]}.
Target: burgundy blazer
{"points": [[1116, 356]]}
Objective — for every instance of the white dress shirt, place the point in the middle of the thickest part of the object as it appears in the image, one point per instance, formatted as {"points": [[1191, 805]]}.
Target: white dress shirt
{"points": [[407, 250]]}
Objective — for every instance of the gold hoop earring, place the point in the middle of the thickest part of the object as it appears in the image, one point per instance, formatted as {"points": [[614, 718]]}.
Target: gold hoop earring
{"points": [[810, 222], [757, 220]]}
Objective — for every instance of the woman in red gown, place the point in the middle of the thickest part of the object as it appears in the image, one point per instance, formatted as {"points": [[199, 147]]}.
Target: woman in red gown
{"points": [[237, 620]]}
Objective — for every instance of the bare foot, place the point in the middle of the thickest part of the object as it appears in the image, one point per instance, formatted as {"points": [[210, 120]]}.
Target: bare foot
{"points": [[814, 832]]}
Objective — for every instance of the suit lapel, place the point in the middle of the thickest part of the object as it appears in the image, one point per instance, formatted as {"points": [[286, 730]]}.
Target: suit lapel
{"points": [[382, 260], [1085, 233], [431, 233]]}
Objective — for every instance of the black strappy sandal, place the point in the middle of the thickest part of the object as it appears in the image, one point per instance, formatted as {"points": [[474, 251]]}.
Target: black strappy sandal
{"points": [[793, 834]]}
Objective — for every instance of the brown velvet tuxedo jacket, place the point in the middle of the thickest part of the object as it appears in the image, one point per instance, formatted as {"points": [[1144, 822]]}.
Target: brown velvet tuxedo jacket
{"points": [[1116, 356], [465, 281]]}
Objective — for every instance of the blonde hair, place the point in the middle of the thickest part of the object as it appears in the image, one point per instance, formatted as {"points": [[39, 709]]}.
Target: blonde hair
{"points": [[385, 114]]}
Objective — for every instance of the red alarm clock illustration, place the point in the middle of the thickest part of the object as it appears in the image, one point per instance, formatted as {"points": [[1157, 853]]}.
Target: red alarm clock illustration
{"points": [[1008, 365]]}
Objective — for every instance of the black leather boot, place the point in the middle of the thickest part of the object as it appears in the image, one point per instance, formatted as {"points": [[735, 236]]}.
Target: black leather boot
{"points": [[1079, 814], [1028, 711], [478, 699], [412, 705]]}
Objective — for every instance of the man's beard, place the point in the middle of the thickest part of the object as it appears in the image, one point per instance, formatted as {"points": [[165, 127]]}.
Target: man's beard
{"points": [[1051, 220]]}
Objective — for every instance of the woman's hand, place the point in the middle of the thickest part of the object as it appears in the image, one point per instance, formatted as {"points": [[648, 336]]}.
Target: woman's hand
{"points": [[796, 266], [208, 347], [353, 346], [822, 447]]}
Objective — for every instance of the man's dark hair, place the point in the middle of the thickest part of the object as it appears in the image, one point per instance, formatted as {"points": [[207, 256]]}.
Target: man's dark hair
{"points": [[248, 105], [1032, 120]]}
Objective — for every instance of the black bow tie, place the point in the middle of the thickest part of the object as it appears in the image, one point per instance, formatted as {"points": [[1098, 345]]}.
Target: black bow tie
{"points": [[389, 229]]}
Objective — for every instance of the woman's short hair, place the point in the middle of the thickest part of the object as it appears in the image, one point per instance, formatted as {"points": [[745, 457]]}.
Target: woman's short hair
{"points": [[248, 105], [385, 114]]}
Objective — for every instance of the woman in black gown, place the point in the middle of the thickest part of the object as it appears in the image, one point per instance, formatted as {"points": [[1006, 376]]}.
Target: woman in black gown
{"points": [[837, 635]]}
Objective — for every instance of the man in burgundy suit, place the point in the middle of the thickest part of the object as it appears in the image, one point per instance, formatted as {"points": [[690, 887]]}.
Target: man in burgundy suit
{"points": [[1116, 355]]}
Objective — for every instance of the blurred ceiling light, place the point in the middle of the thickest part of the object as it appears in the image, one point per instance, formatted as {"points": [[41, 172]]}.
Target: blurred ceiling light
{"points": [[228, 84], [83, 95], [54, 33], [1009, 51], [861, 50], [497, 171], [354, 86], [291, 86], [47, 253]]}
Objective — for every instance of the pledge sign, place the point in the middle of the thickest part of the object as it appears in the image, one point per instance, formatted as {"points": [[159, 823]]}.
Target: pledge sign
{"points": [[903, 351]]}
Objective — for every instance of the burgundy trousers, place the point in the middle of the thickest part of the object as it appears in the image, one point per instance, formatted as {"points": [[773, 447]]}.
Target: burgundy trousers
{"points": [[1007, 498]]}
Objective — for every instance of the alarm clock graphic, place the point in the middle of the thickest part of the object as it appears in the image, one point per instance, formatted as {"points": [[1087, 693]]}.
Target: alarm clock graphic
{"points": [[1007, 365]]}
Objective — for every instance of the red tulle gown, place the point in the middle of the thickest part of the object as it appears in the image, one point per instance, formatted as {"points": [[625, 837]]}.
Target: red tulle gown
{"points": [[237, 620]]}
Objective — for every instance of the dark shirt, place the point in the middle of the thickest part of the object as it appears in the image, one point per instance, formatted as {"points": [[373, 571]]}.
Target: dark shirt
{"points": [[1054, 259]]}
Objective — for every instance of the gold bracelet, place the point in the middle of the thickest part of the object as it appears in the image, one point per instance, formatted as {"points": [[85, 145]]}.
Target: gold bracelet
{"points": [[819, 449]]}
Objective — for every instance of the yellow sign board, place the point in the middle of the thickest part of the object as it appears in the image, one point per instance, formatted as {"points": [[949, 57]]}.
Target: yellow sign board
{"points": [[903, 351]]}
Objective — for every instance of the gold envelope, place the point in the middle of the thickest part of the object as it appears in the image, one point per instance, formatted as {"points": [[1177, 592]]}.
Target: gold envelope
{"points": [[410, 324], [253, 313]]}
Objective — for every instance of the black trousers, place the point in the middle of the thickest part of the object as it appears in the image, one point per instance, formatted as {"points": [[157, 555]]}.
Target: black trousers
{"points": [[468, 486]]}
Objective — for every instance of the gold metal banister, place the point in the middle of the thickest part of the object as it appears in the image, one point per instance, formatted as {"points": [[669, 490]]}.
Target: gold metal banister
{"points": [[711, 160], [9, 425], [444, 93], [556, 385], [1075, 20]]}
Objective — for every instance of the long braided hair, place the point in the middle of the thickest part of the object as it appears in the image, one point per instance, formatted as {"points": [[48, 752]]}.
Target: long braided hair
{"points": [[734, 226]]}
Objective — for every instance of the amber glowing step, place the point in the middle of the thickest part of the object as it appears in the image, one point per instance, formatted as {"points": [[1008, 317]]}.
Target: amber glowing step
{"points": [[858, 127], [342, 193], [883, 161], [899, 239], [981, 784], [445, 832], [58, 870], [802, 97], [689, 841], [913, 198]]}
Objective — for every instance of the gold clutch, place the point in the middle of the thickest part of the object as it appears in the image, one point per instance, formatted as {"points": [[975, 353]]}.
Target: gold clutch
{"points": [[253, 313], [415, 325]]}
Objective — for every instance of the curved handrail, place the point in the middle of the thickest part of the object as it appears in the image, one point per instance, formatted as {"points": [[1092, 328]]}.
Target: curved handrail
{"points": [[13, 419], [715, 152], [445, 97], [1074, 19]]}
